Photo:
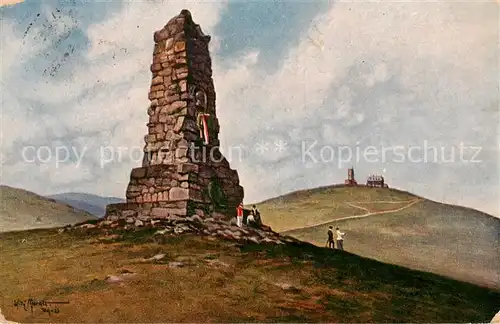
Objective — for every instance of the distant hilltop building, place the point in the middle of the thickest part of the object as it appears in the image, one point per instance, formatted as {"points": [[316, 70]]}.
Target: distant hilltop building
{"points": [[373, 181], [376, 181], [350, 181]]}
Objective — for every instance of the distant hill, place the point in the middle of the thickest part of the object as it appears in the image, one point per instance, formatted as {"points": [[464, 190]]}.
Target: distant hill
{"points": [[396, 227], [93, 204], [21, 209]]}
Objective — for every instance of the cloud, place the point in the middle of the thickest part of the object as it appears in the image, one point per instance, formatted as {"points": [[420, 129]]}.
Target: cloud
{"points": [[381, 64], [95, 100]]}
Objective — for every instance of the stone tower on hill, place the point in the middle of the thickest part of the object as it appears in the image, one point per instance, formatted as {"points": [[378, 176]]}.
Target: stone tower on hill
{"points": [[183, 172]]}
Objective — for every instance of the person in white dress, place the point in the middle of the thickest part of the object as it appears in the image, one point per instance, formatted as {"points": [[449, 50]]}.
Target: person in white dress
{"points": [[340, 239]]}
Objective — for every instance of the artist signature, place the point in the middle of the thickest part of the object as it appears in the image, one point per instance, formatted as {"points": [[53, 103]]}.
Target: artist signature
{"points": [[30, 304]]}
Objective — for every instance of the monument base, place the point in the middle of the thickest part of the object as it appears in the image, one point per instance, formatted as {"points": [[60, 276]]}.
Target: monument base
{"points": [[161, 210], [175, 190]]}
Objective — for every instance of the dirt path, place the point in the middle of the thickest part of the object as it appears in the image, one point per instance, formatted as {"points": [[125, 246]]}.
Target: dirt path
{"points": [[367, 211], [367, 214], [383, 201]]}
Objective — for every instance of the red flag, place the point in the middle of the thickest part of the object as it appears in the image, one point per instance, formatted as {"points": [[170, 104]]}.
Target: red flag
{"points": [[205, 126]]}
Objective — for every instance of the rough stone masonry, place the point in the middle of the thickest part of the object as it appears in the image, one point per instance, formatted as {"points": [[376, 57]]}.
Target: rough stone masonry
{"points": [[183, 172]]}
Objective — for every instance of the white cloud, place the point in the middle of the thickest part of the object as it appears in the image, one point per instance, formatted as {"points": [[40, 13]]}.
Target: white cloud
{"points": [[106, 98], [441, 55]]}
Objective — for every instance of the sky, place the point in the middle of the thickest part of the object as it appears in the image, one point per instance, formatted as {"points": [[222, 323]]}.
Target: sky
{"points": [[305, 89]]}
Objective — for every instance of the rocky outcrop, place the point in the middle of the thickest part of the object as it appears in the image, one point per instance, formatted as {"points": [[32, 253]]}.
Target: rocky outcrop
{"points": [[183, 172], [176, 226]]}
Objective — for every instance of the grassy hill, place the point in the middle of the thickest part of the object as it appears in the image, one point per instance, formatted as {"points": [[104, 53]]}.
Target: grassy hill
{"points": [[93, 204], [395, 227], [21, 209], [203, 279], [313, 206]]}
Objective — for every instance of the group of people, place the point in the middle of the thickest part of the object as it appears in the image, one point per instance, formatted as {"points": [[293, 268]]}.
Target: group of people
{"points": [[340, 238], [253, 218]]}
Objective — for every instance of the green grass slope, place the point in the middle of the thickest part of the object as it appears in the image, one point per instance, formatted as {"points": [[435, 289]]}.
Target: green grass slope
{"points": [[21, 209], [449, 240], [219, 281]]}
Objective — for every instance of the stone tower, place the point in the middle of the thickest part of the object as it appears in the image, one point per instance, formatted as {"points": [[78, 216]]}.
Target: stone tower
{"points": [[183, 172]]}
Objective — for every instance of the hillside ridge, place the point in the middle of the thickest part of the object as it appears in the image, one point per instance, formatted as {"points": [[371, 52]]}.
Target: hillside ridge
{"points": [[339, 186], [21, 209], [451, 240]]}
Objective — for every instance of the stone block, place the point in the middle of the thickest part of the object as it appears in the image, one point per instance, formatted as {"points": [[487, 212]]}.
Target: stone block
{"points": [[187, 168], [181, 60], [168, 44], [160, 35], [163, 58], [181, 152], [158, 87], [157, 80], [183, 85], [132, 187], [159, 212], [112, 218], [165, 72], [155, 67], [181, 76], [177, 193], [177, 105], [162, 118], [179, 46], [178, 124]]}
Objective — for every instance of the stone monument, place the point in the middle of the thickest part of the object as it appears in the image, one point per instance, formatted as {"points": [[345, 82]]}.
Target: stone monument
{"points": [[183, 172]]}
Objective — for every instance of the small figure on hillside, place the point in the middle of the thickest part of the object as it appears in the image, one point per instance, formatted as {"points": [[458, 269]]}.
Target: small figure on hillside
{"points": [[251, 219], [340, 239], [239, 215], [330, 242], [256, 214]]}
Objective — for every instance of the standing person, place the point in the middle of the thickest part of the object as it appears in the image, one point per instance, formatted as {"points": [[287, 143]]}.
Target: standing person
{"points": [[330, 241], [255, 214], [250, 219], [239, 215], [340, 239]]}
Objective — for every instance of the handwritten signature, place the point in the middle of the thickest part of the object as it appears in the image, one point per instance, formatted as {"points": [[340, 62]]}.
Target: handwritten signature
{"points": [[45, 306]]}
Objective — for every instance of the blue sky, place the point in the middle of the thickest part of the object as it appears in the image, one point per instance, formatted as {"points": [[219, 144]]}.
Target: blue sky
{"points": [[328, 76]]}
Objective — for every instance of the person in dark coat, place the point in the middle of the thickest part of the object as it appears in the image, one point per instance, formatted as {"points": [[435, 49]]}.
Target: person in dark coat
{"points": [[330, 242], [256, 215]]}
